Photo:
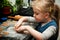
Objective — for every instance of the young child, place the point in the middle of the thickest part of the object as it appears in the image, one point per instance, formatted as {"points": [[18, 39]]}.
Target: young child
{"points": [[43, 14]]}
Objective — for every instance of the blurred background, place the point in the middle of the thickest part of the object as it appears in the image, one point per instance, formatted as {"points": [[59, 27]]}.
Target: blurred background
{"points": [[17, 7], [58, 3]]}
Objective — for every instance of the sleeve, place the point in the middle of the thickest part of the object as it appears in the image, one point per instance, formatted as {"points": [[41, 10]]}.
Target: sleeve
{"points": [[48, 32], [31, 19]]}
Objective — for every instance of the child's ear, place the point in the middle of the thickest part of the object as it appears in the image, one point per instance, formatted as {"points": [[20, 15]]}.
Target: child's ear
{"points": [[46, 15]]}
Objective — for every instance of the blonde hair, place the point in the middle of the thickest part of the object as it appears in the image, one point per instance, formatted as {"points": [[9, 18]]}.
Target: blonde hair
{"points": [[45, 6]]}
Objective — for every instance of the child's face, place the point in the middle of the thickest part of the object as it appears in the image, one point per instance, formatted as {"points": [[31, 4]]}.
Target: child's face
{"points": [[39, 16]]}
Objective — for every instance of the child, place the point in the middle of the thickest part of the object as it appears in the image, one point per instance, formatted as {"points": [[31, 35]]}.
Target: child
{"points": [[43, 14]]}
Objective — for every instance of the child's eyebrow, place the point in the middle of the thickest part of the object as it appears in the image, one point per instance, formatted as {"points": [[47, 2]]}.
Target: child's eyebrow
{"points": [[36, 12]]}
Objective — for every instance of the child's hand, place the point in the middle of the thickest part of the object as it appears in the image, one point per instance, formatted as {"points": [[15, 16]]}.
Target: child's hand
{"points": [[18, 24], [21, 28]]}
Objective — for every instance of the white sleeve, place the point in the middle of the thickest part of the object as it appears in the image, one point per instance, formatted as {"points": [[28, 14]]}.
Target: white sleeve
{"points": [[31, 19], [48, 32]]}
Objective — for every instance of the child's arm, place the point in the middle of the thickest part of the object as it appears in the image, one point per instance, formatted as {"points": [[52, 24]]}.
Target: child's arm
{"points": [[24, 19], [20, 21], [38, 35]]}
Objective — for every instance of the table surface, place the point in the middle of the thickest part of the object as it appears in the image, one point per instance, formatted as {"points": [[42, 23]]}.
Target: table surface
{"points": [[8, 30]]}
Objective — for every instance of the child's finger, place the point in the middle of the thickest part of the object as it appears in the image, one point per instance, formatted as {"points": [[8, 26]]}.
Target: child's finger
{"points": [[18, 23], [16, 27], [18, 30]]}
